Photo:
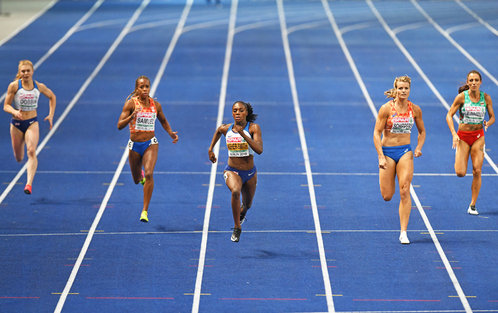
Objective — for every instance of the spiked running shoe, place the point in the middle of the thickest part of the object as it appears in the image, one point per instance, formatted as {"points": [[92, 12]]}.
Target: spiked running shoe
{"points": [[143, 217], [27, 189], [472, 210], [236, 234]]}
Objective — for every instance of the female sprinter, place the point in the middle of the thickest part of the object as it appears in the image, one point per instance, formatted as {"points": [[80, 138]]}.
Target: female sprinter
{"points": [[469, 140], [243, 138], [22, 101], [140, 112], [394, 123]]}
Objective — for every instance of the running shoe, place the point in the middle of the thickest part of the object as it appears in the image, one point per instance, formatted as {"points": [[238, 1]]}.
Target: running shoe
{"points": [[143, 217], [472, 210], [142, 181], [236, 234], [27, 189], [403, 238], [242, 214]]}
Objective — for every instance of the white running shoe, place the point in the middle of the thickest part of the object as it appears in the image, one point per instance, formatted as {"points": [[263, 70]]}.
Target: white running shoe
{"points": [[403, 238], [472, 210]]}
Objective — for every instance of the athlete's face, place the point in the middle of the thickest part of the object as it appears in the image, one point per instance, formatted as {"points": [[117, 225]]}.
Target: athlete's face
{"points": [[402, 90], [474, 81], [26, 71], [239, 113], [143, 88]]}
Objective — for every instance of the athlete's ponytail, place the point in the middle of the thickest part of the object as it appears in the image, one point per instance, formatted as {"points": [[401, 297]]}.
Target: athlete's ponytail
{"points": [[391, 93], [251, 117]]}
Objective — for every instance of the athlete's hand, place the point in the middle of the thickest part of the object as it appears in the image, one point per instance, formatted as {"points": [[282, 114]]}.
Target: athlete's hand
{"points": [[238, 129], [382, 162], [50, 120], [174, 136], [417, 153], [212, 156], [18, 115], [456, 139], [485, 126]]}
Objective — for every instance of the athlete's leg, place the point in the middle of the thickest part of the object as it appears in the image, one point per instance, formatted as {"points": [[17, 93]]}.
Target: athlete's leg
{"points": [[17, 138], [32, 136], [477, 156], [461, 158], [248, 191], [234, 183], [404, 171], [135, 160], [386, 179], [149, 161]]}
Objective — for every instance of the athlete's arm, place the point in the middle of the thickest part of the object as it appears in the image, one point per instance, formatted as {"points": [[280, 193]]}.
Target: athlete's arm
{"points": [[164, 122], [491, 113], [256, 142], [127, 114], [7, 105], [421, 130], [52, 102], [380, 124], [457, 103], [217, 135]]}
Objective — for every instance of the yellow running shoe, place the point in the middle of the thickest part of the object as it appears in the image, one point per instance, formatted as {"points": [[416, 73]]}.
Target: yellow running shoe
{"points": [[143, 217]]}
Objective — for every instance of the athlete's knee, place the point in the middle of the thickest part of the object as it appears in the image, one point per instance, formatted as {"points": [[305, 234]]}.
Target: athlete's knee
{"points": [[476, 172], [460, 173], [31, 152], [404, 190], [387, 196], [236, 193]]}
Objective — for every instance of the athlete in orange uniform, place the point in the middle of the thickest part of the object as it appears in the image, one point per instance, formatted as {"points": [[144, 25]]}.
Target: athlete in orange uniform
{"points": [[394, 123], [140, 112], [469, 140]]}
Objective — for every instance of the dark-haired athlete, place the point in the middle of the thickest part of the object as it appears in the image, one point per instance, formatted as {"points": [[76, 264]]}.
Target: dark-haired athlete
{"points": [[243, 138]]}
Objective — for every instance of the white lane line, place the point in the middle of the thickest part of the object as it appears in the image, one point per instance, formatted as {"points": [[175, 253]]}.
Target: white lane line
{"points": [[440, 250], [28, 22], [124, 157], [474, 15], [420, 71], [212, 177], [68, 34], [304, 148], [454, 43]]}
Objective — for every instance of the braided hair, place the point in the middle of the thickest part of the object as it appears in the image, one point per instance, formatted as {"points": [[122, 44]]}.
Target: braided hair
{"points": [[251, 117]]}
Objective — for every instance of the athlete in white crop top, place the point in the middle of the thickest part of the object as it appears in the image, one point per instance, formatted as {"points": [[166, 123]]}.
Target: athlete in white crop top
{"points": [[469, 139], [243, 138], [21, 102]]}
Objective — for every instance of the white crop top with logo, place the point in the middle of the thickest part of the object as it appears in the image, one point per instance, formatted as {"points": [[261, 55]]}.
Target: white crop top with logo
{"points": [[473, 112], [26, 100], [237, 146]]}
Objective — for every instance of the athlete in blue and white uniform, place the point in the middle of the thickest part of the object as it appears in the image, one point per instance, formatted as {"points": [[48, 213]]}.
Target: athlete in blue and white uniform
{"points": [[469, 139], [22, 101], [140, 112], [394, 123], [243, 138]]}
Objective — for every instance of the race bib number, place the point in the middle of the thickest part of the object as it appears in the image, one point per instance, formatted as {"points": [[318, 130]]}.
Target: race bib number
{"points": [[237, 147], [145, 121]]}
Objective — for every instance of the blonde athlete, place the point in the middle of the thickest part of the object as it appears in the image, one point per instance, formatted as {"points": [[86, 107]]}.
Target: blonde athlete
{"points": [[394, 123], [140, 112], [21, 102], [243, 138], [469, 139]]}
